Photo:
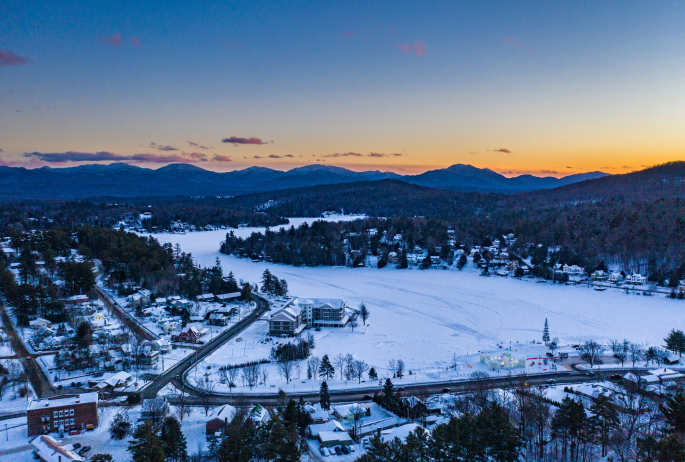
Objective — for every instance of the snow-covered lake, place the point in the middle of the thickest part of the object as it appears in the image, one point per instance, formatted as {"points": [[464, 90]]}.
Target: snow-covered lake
{"points": [[425, 317]]}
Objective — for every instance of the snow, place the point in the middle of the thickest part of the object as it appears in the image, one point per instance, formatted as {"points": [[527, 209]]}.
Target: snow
{"points": [[427, 317]]}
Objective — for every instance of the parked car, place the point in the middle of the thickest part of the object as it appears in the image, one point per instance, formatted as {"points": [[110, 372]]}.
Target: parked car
{"points": [[83, 450], [76, 445], [445, 390], [344, 450], [551, 381], [324, 452], [338, 451], [351, 448], [367, 398]]}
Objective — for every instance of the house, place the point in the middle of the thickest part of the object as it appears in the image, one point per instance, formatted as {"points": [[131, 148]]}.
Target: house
{"points": [[636, 278], [119, 380], [225, 298], [154, 410], [599, 275], [77, 300], [334, 438], [392, 257], [38, 323], [400, 432], [72, 412], [317, 414], [286, 321], [573, 270], [162, 345], [259, 415], [331, 426], [615, 277], [192, 334], [148, 356], [47, 449], [220, 419], [217, 319], [346, 412], [205, 298]]}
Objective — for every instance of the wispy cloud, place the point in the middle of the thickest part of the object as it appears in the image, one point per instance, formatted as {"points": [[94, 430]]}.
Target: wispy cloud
{"points": [[626, 166], [382, 154], [115, 40], [416, 48], [504, 150], [192, 144], [287, 155], [7, 58], [274, 156], [102, 156], [343, 154], [196, 155], [166, 148], [220, 158], [257, 157], [568, 167], [511, 41], [236, 141], [135, 41]]}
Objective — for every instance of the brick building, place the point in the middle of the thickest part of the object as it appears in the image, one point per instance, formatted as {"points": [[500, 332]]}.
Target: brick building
{"points": [[74, 412]]}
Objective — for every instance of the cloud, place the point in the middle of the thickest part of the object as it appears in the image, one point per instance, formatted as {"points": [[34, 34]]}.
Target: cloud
{"points": [[235, 141], [1, 150], [347, 35], [135, 42], [72, 156], [344, 154], [626, 166], [7, 58], [568, 167], [415, 48], [220, 158], [196, 155], [504, 150], [153, 144], [548, 171], [274, 156], [166, 148], [115, 40], [287, 155], [511, 41], [257, 157], [382, 154], [192, 144]]}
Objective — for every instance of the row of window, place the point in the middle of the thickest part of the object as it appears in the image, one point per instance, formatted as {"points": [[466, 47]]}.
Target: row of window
{"points": [[62, 413], [65, 422]]}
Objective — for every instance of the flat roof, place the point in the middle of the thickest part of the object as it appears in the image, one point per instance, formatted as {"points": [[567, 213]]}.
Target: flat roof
{"points": [[65, 400]]}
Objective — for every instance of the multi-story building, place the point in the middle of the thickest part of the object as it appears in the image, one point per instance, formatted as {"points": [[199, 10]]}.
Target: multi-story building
{"points": [[300, 313], [73, 412]]}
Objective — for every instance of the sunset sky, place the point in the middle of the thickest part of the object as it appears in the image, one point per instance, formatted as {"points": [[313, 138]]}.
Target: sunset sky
{"points": [[548, 88]]}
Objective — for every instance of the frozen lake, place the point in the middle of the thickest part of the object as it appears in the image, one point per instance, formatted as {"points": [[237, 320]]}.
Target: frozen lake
{"points": [[425, 317]]}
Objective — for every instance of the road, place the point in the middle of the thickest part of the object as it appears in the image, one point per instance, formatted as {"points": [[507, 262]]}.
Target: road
{"points": [[141, 331], [39, 381], [180, 368], [351, 395]]}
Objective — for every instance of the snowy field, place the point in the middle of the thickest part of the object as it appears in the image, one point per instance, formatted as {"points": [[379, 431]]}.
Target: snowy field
{"points": [[426, 317]]}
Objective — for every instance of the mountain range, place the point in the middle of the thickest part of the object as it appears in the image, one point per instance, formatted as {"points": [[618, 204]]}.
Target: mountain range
{"points": [[124, 180]]}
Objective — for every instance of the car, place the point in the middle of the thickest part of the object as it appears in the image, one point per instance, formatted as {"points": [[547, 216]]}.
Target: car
{"points": [[351, 448], [76, 445], [551, 381], [324, 452], [616, 377], [367, 397], [344, 450], [445, 390], [338, 451], [83, 450], [589, 374]]}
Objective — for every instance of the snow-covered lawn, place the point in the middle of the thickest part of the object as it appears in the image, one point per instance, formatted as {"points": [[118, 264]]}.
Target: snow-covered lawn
{"points": [[11, 401], [426, 317]]}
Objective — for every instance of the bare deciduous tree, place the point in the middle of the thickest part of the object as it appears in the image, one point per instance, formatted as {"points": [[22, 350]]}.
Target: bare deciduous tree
{"points": [[339, 363], [286, 368], [359, 367]]}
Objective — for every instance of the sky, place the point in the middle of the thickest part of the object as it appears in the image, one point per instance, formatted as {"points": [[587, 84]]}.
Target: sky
{"points": [[546, 88]]}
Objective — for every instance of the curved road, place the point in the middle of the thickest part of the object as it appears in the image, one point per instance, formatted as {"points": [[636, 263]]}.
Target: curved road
{"points": [[179, 369]]}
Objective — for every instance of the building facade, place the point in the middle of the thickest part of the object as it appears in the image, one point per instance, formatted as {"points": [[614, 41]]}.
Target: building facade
{"points": [[73, 412]]}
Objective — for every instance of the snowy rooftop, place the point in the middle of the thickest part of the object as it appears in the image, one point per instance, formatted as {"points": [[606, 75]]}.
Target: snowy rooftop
{"points": [[66, 400], [49, 450], [400, 432]]}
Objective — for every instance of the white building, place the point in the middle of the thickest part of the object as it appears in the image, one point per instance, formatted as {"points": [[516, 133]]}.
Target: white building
{"points": [[636, 278]]}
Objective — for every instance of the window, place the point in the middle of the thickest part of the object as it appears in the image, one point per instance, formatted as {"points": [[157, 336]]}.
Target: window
{"points": [[71, 412], [61, 413], [72, 421], [54, 414], [56, 423]]}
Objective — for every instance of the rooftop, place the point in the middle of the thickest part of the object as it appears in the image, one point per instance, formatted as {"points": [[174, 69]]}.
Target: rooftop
{"points": [[64, 400]]}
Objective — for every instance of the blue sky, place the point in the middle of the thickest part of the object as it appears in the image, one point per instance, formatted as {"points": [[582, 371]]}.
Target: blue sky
{"points": [[518, 87]]}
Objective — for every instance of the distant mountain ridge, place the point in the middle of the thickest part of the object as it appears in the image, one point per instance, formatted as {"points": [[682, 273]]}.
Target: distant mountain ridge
{"points": [[124, 180]]}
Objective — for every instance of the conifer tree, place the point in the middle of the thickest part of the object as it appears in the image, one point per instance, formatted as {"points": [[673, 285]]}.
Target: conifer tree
{"points": [[545, 333], [146, 445], [324, 397], [326, 369], [173, 440]]}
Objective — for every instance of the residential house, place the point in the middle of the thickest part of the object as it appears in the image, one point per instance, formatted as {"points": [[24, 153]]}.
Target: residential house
{"points": [[217, 319], [38, 323], [636, 278], [119, 380], [72, 412], [77, 300], [205, 298], [47, 449], [191, 334], [599, 275], [259, 415], [400, 432], [615, 277], [346, 412], [573, 270], [220, 419], [334, 438], [225, 298]]}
